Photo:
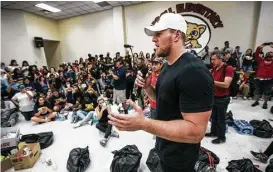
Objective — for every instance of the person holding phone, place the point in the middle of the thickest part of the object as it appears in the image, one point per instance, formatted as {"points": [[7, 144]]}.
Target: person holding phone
{"points": [[264, 75]]}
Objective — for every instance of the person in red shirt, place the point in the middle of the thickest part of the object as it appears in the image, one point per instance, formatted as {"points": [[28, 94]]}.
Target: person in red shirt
{"points": [[264, 75], [156, 65], [222, 75]]}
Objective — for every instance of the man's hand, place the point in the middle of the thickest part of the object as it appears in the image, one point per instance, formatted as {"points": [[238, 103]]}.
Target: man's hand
{"points": [[271, 45], [144, 83], [125, 122]]}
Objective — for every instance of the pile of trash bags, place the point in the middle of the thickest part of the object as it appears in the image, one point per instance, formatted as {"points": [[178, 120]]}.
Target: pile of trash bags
{"points": [[126, 159], [241, 165], [262, 128], [78, 160]]}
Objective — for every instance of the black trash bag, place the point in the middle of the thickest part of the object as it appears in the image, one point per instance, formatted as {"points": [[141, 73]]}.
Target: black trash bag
{"points": [[78, 160], [207, 161], [45, 139], [153, 161], [126, 159], [241, 165], [262, 129], [269, 168], [229, 118]]}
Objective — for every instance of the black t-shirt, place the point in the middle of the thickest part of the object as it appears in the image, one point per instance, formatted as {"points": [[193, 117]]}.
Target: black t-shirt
{"points": [[104, 118], [95, 72], [247, 60], [55, 99], [183, 87], [231, 62], [89, 102], [38, 106]]}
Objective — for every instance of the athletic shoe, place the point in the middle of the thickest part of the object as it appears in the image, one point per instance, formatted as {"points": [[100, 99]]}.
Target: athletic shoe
{"points": [[210, 135], [115, 134], [260, 156], [218, 141], [255, 104], [103, 142], [77, 125], [265, 106]]}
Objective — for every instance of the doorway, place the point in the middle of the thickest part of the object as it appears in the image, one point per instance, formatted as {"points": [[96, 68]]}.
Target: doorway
{"points": [[52, 53]]}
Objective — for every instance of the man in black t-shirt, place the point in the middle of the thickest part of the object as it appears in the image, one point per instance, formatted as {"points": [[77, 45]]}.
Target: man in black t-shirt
{"points": [[57, 100], [183, 95]]}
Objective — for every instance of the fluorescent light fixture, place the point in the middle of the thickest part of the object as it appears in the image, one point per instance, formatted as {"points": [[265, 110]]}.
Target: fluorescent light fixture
{"points": [[48, 8], [97, 1]]}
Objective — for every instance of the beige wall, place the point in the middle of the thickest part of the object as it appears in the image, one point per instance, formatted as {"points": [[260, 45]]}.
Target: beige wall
{"points": [[239, 19], [18, 31]]}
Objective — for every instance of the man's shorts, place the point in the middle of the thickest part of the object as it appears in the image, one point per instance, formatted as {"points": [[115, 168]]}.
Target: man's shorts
{"points": [[119, 96]]}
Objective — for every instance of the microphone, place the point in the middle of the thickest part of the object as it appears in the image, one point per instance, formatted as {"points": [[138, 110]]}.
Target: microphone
{"points": [[128, 46]]}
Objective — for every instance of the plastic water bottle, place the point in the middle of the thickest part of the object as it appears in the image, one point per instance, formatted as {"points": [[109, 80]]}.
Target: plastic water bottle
{"points": [[95, 119]]}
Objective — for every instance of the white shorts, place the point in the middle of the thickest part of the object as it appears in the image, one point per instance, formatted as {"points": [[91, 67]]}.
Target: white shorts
{"points": [[119, 96]]}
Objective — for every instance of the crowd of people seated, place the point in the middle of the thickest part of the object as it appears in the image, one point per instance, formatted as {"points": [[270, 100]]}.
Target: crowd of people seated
{"points": [[84, 89]]}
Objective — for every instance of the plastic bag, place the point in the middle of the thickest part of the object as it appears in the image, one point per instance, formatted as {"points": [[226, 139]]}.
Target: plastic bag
{"points": [[153, 161], [78, 160], [229, 118], [207, 161], [262, 129], [241, 165], [269, 168], [126, 159]]}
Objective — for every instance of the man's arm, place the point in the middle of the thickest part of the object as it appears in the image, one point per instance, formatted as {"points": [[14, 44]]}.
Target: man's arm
{"points": [[224, 84], [150, 92], [257, 53], [228, 78], [190, 130]]}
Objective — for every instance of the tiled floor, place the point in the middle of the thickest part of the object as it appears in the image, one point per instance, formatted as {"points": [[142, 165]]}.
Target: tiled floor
{"points": [[67, 138]]}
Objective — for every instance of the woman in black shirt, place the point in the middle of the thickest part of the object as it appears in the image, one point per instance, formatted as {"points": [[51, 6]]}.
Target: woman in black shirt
{"points": [[43, 111], [247, 60]]}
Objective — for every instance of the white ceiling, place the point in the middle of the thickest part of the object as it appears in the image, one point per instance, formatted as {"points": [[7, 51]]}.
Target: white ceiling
{"points": [[69, 8]]}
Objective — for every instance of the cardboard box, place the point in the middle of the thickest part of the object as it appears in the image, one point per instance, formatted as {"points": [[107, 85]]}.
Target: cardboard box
{"points": [[28, 161], [6, 164], [10, 142]]}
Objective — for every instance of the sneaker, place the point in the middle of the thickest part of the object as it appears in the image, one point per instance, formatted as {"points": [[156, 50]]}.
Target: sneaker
{"points": [[255, 104], [115, 134], [77, 125], [265, 106], [218, 141], [210, 135], [260, 156], [103, 142]]}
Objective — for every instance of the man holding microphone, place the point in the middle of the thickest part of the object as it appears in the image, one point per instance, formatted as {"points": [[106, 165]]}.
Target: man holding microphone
{"points": [[183, 95]]}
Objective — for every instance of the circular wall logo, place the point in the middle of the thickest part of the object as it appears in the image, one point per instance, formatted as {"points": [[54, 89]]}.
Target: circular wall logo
{"points": [[198, 32]]}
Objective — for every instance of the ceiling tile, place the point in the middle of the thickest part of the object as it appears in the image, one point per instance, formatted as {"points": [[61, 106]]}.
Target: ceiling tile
{"points": [[125, 3], [67, 6], [61, 7], [136, 2], [94, 5], [107, 7], [13, 6], [99, 8], [113, 2], [4, 3], [77, 4], [86, 7], [53, 4], [61, 2], [77, 9], [89, 2], [24, 4]]}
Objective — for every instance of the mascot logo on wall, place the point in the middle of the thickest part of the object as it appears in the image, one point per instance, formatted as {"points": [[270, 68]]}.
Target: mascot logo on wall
{"points": [[198, 30]]}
